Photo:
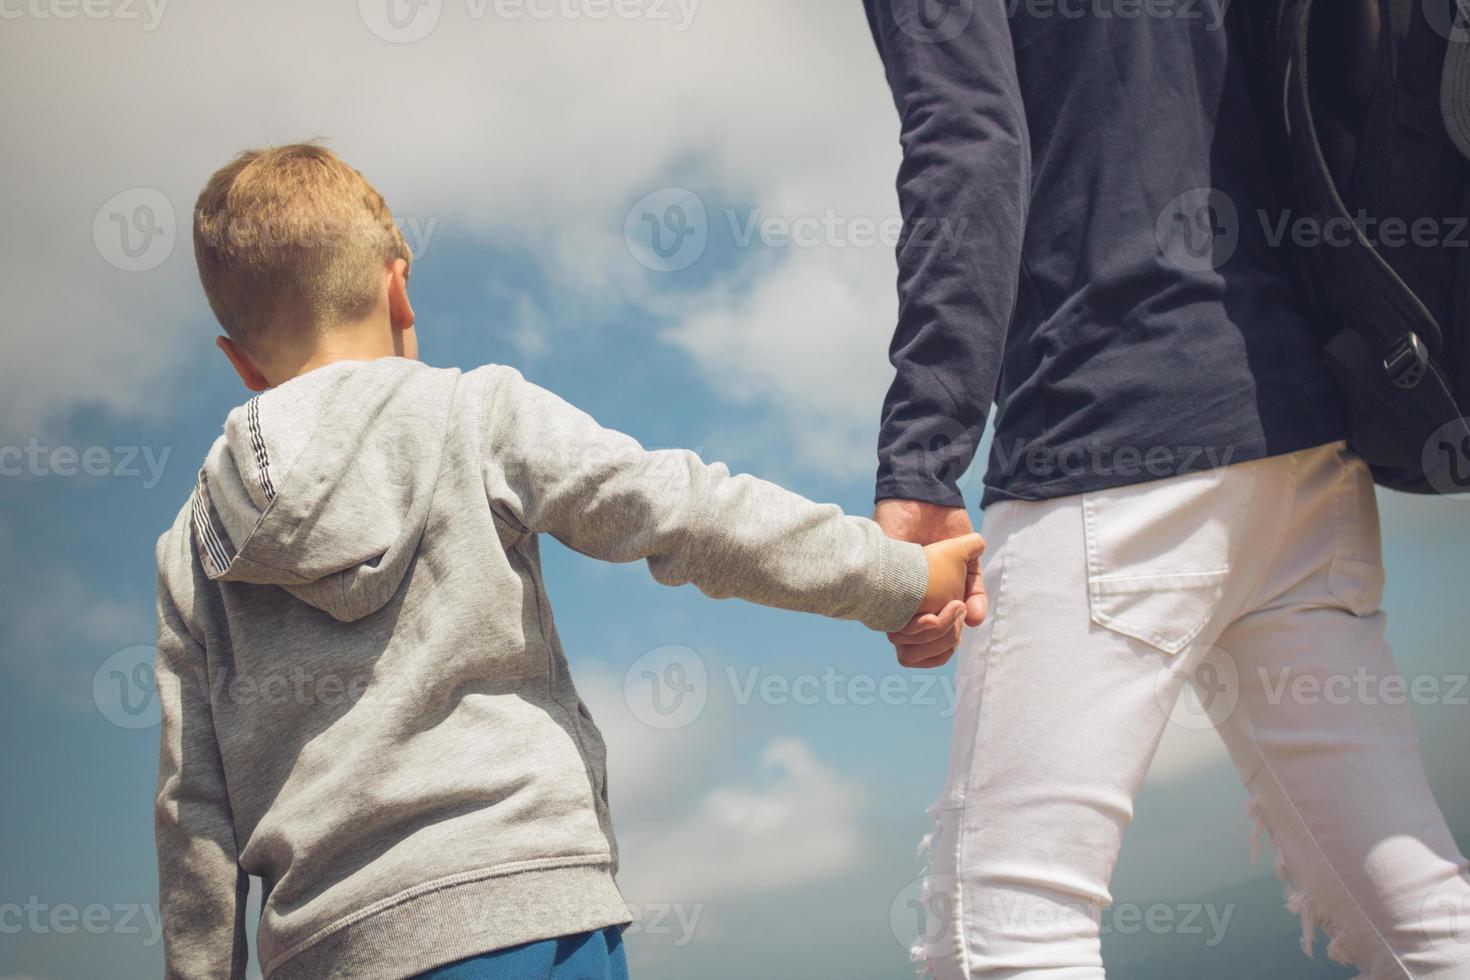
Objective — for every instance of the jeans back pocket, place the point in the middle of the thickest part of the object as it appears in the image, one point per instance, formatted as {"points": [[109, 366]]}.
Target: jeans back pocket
{"points": [[1159, 554]]}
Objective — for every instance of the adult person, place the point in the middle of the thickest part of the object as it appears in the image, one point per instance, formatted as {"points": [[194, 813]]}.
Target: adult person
{"points": [[1169, 494]]}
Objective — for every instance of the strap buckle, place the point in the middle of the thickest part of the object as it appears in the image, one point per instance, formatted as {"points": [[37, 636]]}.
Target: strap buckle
{"points": [[1408, 363]]}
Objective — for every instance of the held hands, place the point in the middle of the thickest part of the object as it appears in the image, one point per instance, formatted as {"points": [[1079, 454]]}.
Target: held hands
{"points": [[956, 596], [953, 565]]}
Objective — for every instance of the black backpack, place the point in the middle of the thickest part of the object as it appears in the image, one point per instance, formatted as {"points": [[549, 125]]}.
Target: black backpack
{"points": [[1365, 108]]}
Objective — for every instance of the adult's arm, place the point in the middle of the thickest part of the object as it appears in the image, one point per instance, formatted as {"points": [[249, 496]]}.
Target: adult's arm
{"points": [[963, 190]]}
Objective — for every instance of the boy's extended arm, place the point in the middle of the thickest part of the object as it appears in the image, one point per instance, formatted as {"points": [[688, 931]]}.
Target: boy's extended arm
{"points": [[556, 471], [202, 890]]}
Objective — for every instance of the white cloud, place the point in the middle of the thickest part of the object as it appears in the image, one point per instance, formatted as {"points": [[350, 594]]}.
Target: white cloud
{"points": [[806, 343], [535, 134], [689, 834], [797, 825]]}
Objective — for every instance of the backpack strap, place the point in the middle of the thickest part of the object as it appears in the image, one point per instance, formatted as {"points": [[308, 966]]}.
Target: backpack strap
{"points": [[1401, 329], [1454, 93]]}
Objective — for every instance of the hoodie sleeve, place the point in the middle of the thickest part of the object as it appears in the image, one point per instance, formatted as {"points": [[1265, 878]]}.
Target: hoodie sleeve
{"points": [[963, 190], [556, 471], [202, 890]]}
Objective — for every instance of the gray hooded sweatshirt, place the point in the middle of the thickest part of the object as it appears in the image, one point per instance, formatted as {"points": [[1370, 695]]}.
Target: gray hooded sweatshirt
{"points": [[365, 703]]}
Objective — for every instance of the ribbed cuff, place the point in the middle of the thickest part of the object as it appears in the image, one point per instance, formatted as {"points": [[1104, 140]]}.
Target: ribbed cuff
{"points": [[903, 578], [923, 489]]}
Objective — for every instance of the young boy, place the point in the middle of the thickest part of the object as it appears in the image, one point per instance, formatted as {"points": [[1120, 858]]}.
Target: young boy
{"points": [[364, 699]]}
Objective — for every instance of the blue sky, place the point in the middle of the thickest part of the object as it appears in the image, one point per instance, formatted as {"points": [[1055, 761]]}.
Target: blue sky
{"points": [[773, 833]]}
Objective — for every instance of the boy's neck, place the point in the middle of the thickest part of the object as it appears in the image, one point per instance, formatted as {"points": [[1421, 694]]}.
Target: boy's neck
{"points": [[352, 344]]}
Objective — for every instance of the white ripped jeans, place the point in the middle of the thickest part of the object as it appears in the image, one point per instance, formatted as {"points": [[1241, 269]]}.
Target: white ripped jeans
{"points": [[1244, 580]]}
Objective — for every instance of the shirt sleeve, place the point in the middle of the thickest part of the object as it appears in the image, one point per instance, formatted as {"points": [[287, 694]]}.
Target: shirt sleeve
{"points": [[202, 890], [552, 469], [963, 189]]}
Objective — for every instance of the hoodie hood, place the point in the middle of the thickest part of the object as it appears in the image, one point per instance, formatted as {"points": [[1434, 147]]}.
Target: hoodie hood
{"points": [[322, 486]]}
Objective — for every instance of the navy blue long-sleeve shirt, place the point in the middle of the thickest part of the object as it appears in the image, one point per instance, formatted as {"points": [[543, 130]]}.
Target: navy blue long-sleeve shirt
{"points": [[1082, 190]]}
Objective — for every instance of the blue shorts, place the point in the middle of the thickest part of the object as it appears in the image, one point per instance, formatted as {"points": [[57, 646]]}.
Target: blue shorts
{"points": [[589, 956]]}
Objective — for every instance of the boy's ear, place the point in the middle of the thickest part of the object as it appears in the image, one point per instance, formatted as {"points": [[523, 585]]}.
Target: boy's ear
{"points": [[400, 311], [242, 364]]}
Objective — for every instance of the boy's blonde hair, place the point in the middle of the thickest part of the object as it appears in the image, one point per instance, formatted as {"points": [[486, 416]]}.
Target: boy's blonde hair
{"points": [[290, 240]]}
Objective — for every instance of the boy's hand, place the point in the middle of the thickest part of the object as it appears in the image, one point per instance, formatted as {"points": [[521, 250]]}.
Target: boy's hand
{"points": [[954, 577], [954, 565], [930, 639]]}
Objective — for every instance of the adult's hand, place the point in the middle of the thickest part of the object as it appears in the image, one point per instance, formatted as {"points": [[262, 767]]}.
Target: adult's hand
{"points": [[930, 640]]}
